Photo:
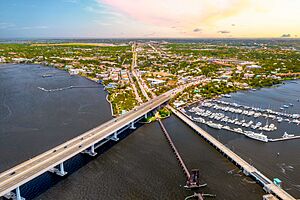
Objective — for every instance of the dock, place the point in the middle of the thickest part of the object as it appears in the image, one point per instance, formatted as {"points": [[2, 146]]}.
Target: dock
{"points": [[284, 138], [247, 169]]}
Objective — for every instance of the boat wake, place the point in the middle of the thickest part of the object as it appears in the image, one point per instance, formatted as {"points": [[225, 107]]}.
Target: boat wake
{"points": [[248, 181], [231, 171], [65, 88], [285, 168]]}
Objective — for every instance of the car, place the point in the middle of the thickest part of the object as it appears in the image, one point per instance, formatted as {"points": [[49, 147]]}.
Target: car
{"points": [[80, 146], [82, 138], [54, 150], [65, 147], [12, 173]]}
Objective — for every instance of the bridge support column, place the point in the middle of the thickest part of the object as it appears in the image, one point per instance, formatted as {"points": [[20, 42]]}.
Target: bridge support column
{"points": [[61, 171], [18, 194], [246, 172], [114, 137], [90, 151], [14, 196], [132, 126]]}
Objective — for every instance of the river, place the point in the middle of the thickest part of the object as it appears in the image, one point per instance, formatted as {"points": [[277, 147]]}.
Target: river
{"points": [[140, 166]]}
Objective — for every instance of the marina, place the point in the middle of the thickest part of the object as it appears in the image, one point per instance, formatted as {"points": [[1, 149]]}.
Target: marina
{"points": [[253, 122]]}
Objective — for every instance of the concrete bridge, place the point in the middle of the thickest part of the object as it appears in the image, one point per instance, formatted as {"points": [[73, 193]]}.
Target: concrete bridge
{"points": [[53, 160]]}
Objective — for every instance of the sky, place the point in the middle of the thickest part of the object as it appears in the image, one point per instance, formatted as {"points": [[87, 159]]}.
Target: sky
{"points": [[149, 18]]}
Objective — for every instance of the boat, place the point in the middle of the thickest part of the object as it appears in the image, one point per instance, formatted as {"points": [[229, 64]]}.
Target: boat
{"points": [[285, 106], [227, 95], [238, 130], [286, 135], [214, 125], [227, 128], [46, 75], [257, 136], [199, 119]]}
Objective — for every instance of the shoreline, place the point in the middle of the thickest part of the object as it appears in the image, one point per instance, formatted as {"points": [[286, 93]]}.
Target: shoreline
{"points": [[247, 90], [110, 104], [111, 108]]}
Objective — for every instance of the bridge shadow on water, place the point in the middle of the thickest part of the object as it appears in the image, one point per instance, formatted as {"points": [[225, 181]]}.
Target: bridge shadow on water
{"points": [[37, 186]]}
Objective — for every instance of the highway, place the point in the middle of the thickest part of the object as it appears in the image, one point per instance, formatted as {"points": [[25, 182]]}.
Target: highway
{"points": [[28, 170]]}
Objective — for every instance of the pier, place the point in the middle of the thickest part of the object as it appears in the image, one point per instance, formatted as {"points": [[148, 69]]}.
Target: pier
{"points": [[284, 138], [192, 179], [247, 169], [181, 162]]}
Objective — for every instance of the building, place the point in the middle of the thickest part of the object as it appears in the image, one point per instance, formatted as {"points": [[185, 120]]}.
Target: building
{"points": [[75, 71], [154, 81], [253, 67]]}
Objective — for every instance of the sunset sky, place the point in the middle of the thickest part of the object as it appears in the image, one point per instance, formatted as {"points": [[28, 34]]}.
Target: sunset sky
{"points": [[150, 18]]}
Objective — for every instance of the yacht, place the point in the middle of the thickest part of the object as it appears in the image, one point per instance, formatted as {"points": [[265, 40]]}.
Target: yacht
{"points": [[238, 130], [286, 135], [257, 136], [199, 119], [227, 95], [214, 125]]}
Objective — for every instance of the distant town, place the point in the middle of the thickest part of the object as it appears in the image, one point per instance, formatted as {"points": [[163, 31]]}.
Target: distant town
{"points": [[125, 69]]}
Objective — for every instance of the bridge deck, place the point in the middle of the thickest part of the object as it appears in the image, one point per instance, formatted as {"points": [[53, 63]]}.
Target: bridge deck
{"points": [[279, 192], [28, 170]]}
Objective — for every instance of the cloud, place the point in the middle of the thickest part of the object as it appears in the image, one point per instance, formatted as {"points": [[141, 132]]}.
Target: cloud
{"points": [[286, 35], [177, 12], [4, 25], [71, 1], [33, 27], [197, 30], [223, 32]]}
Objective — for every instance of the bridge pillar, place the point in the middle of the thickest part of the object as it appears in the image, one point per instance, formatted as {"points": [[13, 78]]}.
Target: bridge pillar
{"points": [[18, 194], [91, 151], [61, 171], [246, 172], [114, 137], [14, 195], [132, 126]]}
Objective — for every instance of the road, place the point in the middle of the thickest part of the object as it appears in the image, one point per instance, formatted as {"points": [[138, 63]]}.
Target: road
{"points": [[137, 96], [28, 170]]}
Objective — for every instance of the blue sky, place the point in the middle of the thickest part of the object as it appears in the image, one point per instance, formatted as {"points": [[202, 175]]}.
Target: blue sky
{"points": [[149, 18], [50, 18]]}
